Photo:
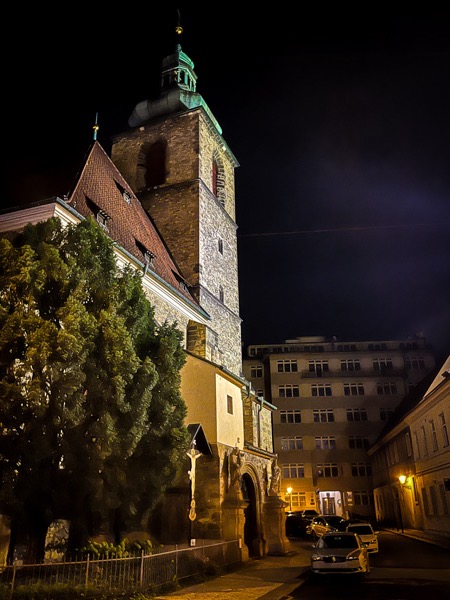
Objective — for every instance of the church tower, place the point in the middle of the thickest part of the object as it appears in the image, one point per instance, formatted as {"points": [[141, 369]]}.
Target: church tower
{"points": [[182, 170]]}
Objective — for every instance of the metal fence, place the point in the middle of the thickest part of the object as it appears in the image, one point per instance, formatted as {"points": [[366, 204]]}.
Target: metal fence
{"points": [[90, 578]]}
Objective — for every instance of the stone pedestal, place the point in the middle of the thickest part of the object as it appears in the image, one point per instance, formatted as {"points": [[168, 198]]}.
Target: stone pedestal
{"points": [[274, 517], [233, 520]]}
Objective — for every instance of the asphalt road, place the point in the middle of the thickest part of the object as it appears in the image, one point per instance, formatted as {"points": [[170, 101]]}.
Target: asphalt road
{"points": [[403, 569]]}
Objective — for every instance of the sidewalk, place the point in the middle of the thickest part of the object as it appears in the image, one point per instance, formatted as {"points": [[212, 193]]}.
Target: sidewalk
{"points": [[268, 578], [273, 577], [436, 538]]}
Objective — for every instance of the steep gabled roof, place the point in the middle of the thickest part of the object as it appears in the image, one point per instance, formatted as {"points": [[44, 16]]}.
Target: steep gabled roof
{"points": [[101, 189]]}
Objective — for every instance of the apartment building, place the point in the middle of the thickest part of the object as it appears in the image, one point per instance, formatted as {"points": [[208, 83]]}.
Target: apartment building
{"points": [[333, 398]]}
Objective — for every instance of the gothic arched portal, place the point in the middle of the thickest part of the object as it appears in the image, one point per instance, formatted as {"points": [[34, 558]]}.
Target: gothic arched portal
{"points": [[251, 528]]}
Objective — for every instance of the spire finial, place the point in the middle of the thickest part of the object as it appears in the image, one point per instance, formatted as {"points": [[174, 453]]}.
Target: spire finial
{"points": [[96, 126], [178, 28]]}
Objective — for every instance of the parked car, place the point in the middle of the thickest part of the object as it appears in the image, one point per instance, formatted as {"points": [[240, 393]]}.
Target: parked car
{"points": [[308, 514], [367, 534], [318, 526], [340, 552], [335, 521], [295, 525]]}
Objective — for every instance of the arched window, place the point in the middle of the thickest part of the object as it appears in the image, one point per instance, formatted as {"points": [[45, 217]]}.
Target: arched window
{"points": [[155, 164]]}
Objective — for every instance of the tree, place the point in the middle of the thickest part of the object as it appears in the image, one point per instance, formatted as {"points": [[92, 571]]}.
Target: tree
{"points": [[89, 385]]}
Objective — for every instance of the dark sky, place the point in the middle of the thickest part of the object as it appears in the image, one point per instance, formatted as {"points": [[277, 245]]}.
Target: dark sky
{"points": [[340, 122]]}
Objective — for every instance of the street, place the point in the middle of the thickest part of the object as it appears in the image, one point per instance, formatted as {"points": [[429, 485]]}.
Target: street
{"points": [[403, 569]]}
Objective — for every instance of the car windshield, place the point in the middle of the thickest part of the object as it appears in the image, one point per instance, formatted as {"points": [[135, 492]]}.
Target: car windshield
{"points": [[337, 541], [361, 529]]}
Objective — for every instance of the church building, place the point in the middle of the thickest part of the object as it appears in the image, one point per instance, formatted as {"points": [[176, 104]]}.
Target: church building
{"points": [[166, 197]]}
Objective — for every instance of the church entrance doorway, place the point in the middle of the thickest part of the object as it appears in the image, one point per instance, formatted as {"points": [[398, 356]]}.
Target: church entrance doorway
{"points": [[251, 537]]}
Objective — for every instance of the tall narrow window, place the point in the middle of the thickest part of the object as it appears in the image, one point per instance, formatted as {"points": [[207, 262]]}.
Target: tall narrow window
{"points": [[433, 436], [444, 430], [220, 245], [230, 405], [221, 296], [214, 177]]}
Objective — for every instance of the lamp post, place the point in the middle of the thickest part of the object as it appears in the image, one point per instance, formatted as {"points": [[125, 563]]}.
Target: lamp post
{"points": [[402, 480], [289, 491]]}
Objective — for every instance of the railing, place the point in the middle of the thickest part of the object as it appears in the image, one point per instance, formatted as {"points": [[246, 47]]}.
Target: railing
{"points": [[91, 578]]}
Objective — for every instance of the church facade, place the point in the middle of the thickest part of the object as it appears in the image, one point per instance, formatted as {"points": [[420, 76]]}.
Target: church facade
{"points": [[166, 197]]}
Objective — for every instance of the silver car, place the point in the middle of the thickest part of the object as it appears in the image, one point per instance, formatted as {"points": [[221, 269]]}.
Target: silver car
{"points": [[340, 552], [367, 534]]}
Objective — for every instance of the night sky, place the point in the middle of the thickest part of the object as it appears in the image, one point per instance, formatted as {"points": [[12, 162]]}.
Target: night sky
{"points": [[340, 122]]}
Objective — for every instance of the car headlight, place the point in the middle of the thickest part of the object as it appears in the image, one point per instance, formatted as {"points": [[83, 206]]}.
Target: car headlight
{"points": [[352, 557], [316, 557]]}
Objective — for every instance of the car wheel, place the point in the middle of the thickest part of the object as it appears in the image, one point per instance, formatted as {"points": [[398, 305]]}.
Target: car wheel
{"points": [[314, 535]]}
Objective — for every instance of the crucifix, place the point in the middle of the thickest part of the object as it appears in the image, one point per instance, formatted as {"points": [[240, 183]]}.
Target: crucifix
{"points": [[193, 454]]}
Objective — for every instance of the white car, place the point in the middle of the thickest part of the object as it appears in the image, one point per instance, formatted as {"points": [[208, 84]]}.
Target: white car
{"points": [[340, 552], [367, 534]]}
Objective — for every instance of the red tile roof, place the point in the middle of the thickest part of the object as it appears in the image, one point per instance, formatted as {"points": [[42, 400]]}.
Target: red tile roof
{"points": [[101, 187]]}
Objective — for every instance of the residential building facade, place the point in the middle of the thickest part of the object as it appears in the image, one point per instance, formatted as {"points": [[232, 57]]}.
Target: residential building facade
{"points": [[333, 398], [411, 459]]}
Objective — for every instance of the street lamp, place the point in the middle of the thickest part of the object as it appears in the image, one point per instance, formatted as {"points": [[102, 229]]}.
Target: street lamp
{"points": [[402, 479], [289, 491]]}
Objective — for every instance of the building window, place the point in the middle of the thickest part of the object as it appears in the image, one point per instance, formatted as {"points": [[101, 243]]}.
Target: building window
{"points": [[318, 367], [382, 364], [295, 499], [415, 363], [325, 442], [288, 391], [408, 443], [220, 245], [292, 443], [416, 439], [357, 441], [353, 389], [377, 346], [256, 371], [361, 470], [346, 347], [424, 441], [323, 416], [230, 404], [320, 389], [327, 470], [287, 366], [433, 500], [443, 498], [351, 364], [434, 441], [386, 388], [386, 413], [363, 498], [218, 179], [293, 471], [444, 430], [221, 296], [356, 414], [290, 416], [426, 507]]}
